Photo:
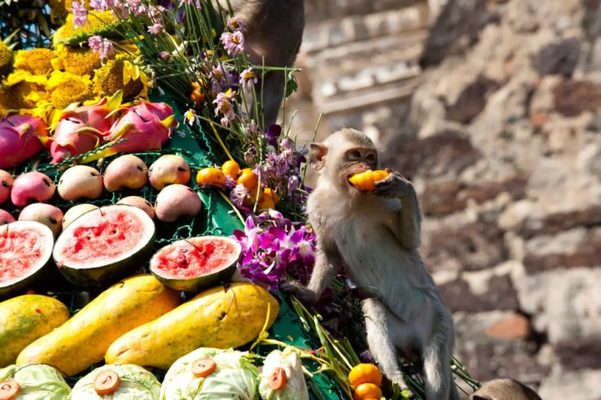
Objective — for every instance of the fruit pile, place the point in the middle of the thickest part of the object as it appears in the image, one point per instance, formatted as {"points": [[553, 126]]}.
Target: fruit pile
{"points": [[366, 380]]}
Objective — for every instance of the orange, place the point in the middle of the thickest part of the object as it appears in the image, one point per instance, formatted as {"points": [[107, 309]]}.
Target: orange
{"points": [[203, 367], [366, 180], [248, 178], [365, 373], [231, 168], [210, 177], [367, 391], [268, 199]]}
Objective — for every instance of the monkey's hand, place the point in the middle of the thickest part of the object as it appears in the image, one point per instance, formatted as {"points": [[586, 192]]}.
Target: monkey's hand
{"points": [[394, 185], [295, 288]]}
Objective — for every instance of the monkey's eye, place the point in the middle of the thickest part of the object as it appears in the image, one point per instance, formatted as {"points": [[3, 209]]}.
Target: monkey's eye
{"points": [[371, 158], [354, 155]]}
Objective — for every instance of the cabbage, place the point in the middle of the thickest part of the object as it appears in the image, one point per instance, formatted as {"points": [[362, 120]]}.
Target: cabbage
{"points": [[37, 382], [295, 388], [235, 377], [136, 384]]}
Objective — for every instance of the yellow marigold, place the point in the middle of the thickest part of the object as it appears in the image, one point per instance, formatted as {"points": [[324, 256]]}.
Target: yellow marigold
{"points": [[36, 61], [27, 95], [122, 75], [78, 61], [6, 58], [98, 22], [66, 88]]}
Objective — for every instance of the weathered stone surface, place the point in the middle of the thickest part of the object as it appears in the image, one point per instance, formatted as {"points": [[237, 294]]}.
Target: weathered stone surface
{"points": [[445, 198], [515, 326], [573, 97], [476, 246], [472, 100], [444, 153], [501, 295], [558, 58], [562, 385], [561, 221]]}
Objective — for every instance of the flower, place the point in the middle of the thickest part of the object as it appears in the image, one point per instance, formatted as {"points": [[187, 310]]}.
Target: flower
{"points": [[233, 42], [36, 61], [80, 13], [6, 58], [97, 23], [78, 61], [224, 104], [190, 116], [236, 24], [272, 134], [155, 28], [101, 46], [165, 56], [120, 74], [101, 5], [195, 3], [66, 88], [273, 246], [248, 78]]}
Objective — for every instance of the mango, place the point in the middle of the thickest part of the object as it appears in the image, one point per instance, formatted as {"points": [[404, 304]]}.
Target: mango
{"points": [[365, 181], [82, 340], [25, 318], [223, 317]]}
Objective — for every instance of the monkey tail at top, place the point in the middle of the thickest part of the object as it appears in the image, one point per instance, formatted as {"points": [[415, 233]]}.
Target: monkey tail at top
{"points": [[273, 37]]}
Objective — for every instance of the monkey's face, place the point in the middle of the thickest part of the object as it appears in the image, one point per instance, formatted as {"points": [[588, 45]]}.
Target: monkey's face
{"points": [[353, 161]]}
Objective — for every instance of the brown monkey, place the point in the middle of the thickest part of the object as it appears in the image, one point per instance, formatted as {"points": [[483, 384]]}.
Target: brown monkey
{"points": [[374, 237], [504, 389], [274, 30]]}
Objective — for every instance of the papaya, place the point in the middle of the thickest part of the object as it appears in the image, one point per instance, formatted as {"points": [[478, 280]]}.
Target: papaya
{"points": [[222, 317], [82, 340], [25, 318]]}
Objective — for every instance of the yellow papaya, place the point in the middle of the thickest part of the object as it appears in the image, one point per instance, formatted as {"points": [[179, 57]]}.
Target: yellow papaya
{"points": [[82, 340], [222, 317], [366, 180], [25, 318]]}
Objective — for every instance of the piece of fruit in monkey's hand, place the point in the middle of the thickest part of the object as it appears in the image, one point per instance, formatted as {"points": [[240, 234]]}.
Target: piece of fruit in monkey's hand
{"points": [[366, 181]]}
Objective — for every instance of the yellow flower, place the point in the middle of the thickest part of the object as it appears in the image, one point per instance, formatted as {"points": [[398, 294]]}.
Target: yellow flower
{"points": [[36, 61], [58, 10], [4, 104], [78, 61], [26, 95], [97, 23], [67, 88], [6, 58], [24, 76], [122, 75]]}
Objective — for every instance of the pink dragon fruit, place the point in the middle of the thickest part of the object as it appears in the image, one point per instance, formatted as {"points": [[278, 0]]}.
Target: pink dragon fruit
{"points": [[82, 129], [139, 129], [20, 139]]}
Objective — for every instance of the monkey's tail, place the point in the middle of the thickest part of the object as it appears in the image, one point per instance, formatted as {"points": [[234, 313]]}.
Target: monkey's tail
{"points": [[437, 363]]}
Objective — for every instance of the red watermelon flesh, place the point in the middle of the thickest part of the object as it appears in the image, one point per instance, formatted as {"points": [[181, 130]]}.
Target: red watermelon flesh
{"points": [[191, 264], [25, 247]]}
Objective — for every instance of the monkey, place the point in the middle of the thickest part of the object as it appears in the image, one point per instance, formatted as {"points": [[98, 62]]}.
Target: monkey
{"points": [[374, 238], [274, 30], [504, 389]]}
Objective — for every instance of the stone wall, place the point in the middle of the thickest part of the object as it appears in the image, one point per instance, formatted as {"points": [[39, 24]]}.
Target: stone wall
{"points": [[495, 114]]}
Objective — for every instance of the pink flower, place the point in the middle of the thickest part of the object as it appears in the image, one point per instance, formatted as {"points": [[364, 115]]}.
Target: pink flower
{"points": [[104, 47], [195, 3], [233, 42], [80, 14], [101, 5], [224, 104], [165, 56], [236, 24], [155, 28], [248, 78]]}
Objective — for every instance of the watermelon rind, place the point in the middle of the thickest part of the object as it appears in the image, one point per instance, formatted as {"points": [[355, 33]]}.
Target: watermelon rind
{"points": [[201, 281], [100, 273], [37, 272]]}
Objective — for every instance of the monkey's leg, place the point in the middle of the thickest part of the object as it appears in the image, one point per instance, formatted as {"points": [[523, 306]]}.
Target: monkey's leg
{"points": [[379, 322], [437, 358]]}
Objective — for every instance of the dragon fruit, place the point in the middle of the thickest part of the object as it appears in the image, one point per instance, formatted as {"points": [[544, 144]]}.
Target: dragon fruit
{"points": [[20, 139], [139, 129], [82, 129]]}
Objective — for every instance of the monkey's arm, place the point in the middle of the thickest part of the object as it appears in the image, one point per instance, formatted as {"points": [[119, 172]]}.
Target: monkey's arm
{"points": [[408, 229], [328, 263]]}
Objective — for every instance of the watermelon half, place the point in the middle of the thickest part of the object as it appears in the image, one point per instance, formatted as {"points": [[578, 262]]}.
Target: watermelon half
{"points": [[25, 248], [191, 265], [104, 244]]}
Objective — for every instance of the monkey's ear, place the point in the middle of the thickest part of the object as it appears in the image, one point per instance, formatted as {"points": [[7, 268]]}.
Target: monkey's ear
{"points": [[317, 155]]}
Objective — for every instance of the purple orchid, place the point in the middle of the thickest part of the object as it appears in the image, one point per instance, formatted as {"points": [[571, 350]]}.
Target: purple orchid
{"points": [[273, 247]]}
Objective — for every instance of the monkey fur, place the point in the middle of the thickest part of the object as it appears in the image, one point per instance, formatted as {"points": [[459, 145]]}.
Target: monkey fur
{"points": [[274, 31], [504, 389], [374, 237]]}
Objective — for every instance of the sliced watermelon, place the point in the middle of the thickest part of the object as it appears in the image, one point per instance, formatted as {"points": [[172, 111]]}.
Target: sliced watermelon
{"points": [[25, 248], [197, 263], [104, 244]]}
